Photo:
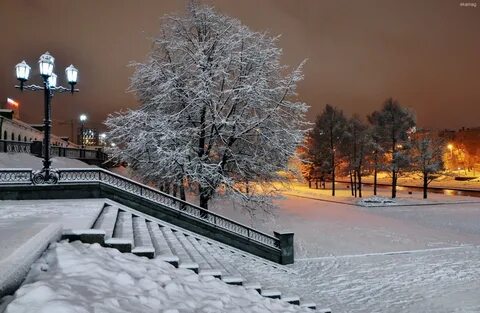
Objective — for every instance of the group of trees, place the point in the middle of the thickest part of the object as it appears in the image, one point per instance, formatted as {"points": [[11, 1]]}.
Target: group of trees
{"points": [[217, 110], [387, 141]]}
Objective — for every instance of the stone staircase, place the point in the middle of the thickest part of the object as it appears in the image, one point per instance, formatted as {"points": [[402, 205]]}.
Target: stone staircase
{"points": [[128, 230]]}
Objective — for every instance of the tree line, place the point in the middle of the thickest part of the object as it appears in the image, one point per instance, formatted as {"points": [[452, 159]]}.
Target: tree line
{"points": [[387, 140]]}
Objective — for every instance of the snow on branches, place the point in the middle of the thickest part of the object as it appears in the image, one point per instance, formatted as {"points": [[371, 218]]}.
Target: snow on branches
{"points": [[217, 109]]}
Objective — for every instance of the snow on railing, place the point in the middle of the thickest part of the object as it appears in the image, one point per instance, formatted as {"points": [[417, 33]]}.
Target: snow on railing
{"points": [[89, 175], [10, 146], [17, 176]]}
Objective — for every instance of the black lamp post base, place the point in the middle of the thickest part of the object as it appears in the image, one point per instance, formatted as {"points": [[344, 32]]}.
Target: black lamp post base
{"points": [[45, 176]]}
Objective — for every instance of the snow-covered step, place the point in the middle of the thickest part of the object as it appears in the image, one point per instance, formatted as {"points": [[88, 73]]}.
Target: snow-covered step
{"points": [[162, 249], [272, 293], [141, 238], [255, 286], [232, 275], [206, 264], [313, 306], [185, 260], [123, 233], [292, 299], [106, 220], [85, 235]]}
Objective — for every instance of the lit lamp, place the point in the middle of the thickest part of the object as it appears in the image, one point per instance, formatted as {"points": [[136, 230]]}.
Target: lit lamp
{"points": [[52, 81], [103, 138], [23, 71], [45, 65], [83, 118], [450, 147], [72, 76]]}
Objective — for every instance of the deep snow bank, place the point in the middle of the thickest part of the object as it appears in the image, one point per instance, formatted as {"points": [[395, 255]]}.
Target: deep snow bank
{"points": [[77, 278], [15, 267]]}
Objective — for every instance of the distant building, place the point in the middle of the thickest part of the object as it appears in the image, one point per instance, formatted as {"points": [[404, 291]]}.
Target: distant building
{"points": [[13, 129], [90, 137]]}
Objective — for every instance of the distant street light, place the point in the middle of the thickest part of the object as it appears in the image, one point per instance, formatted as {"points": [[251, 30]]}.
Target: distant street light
{"points": [[46, 64], [450, 147], [83, 118], [103, 139]]}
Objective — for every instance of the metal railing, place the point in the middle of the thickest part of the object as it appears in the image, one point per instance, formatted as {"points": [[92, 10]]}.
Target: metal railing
{"points": [[79, 176], [72, 153], [15, 146]]}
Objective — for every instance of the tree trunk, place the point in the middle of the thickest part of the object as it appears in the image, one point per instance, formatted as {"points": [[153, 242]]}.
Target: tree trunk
{"points": [[316, 184], [394, 184], [375, 176], [333, 174], [359, 175], [182, 191], [351, 182], [309, 184], [425, 185], [174, 190], [204, 201], [355, 182]]}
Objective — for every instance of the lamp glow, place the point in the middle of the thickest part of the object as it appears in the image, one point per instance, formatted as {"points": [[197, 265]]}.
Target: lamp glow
{"points": [[72, 74], [83, 118], [45, 64], [52, 80], [23, 71]]}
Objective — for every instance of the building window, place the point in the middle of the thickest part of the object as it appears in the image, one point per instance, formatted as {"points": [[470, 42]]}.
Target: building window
{"points": [[19, 137], [25, 138], [5, 135], [13, 137]]}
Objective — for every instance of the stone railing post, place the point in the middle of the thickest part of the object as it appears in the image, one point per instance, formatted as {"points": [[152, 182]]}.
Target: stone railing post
{"points": [[286, 247]]}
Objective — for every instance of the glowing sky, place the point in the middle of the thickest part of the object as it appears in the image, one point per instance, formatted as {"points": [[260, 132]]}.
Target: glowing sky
{"points": [[424, 53]]}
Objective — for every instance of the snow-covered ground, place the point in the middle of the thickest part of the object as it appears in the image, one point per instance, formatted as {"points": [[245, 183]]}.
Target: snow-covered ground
{"points": [[24, 160], [420, 256], [78, 278], [21, 220], [443, 181], [416, 258]]}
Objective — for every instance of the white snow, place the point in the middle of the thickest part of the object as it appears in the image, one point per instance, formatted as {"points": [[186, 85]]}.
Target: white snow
{"points": [[76, 277], [25, 160], [21, 220], [421, 257], [14, 267], [375, 201]]}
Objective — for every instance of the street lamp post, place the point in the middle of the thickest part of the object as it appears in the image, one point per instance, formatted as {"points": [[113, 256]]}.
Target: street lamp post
{"points": [[83, 118], [46, 64]]}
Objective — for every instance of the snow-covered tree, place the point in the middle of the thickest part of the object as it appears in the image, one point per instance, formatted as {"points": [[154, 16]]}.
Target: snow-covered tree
{"points": [[356, 146], [391, 126], [427, 157], [327, 136], [218, 111]]}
